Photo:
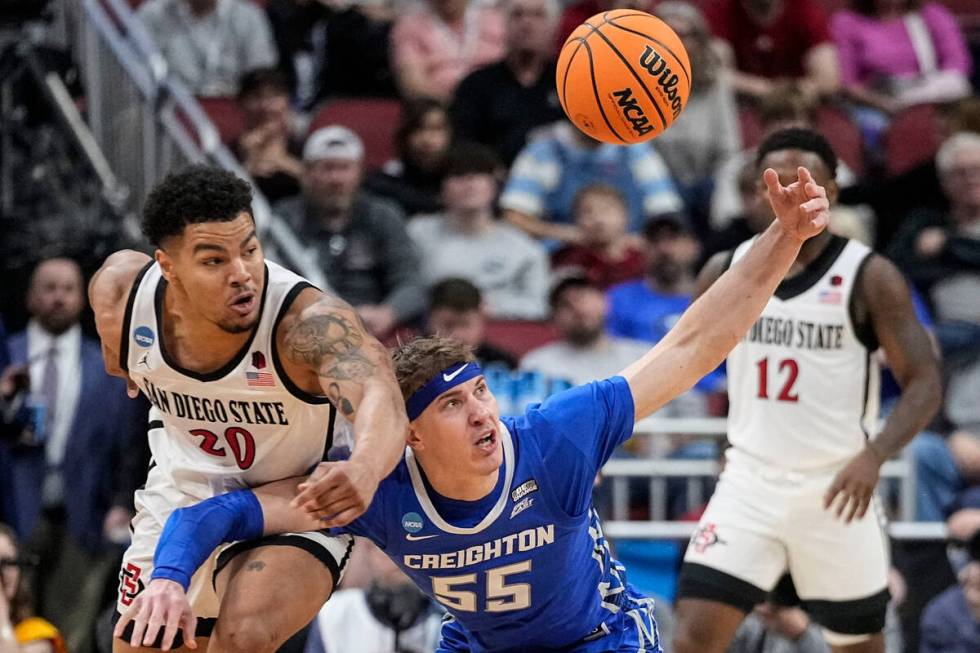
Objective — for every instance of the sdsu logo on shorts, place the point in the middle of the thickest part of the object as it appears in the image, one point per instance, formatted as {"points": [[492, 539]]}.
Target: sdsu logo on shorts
{"points": [[130, 584], [705, 537]]}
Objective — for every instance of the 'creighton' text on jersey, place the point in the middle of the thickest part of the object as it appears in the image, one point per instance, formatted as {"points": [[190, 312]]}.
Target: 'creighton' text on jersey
{"points": [[242, 425], [803, 383], [527, 566]]}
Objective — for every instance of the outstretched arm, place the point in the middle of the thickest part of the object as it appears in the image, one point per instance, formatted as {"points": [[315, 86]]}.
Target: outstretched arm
{"points": [[714, 324], [355, 372]]}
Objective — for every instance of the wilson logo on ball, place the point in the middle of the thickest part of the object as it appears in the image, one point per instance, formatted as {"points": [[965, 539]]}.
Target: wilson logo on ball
{"points": [[632, 111], [653, 63]]}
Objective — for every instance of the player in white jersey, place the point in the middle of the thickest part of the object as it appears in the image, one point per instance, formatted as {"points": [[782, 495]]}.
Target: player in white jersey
{"points": [[804, 460], [246, 365]]}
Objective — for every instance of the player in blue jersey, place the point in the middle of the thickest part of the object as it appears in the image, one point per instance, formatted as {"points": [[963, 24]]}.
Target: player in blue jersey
{"points": [[491, 516]]}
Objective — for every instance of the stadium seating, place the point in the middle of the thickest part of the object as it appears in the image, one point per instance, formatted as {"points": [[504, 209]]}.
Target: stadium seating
{"points": [[518, 337], [374, 120], [912, 138], [226, 115]]}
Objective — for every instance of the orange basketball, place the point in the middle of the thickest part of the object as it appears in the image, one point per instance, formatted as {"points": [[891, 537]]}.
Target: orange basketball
{"points": [[623, 76]]}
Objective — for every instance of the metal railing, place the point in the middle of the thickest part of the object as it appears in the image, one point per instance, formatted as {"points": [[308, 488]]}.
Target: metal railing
{"points": [[147, 123], [618, 473]]}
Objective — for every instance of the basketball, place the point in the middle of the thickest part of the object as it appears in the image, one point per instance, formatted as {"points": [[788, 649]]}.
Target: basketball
{"points": [[623, 76]]}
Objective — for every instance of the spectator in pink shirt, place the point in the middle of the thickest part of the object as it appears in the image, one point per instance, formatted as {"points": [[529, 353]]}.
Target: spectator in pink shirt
{"points": [[896, 53], [435, 44]]}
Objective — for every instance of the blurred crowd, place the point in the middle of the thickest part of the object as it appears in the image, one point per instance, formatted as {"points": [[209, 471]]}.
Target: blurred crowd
{"points": [[418, 149]]}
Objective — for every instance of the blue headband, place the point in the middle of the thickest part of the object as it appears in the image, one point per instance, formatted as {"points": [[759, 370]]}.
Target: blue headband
{"points": [[450, 377]]}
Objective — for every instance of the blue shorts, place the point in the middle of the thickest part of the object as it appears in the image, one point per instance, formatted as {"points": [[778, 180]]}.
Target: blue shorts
{"points": [[631, 630]]}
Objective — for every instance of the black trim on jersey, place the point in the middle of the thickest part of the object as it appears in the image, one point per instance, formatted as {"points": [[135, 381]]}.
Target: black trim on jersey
{"points": [[702, 582], [867, 390], [293, 389], [204, 628], [863, 328], [857, 617], [225, 369], [813, 272], [155, 424], [331, 420], [128, 318], [315, 549]]}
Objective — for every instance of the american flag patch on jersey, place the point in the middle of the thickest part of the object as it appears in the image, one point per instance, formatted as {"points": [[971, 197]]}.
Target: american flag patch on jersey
{"points": [[830, 297], [258, 379]]}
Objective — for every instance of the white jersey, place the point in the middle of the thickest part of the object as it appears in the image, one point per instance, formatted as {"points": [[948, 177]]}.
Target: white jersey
{"points": [[243, 425], [803, 384]]}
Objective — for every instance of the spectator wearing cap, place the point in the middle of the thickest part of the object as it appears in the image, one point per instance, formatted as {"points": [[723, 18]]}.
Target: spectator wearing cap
{"points": [[209, 44], [456, 311], [360, 239], [271, 147], [774, 40], [435, 43], [585, 352], [607, 254], [551, 169], [499, 104], [467, 241]]}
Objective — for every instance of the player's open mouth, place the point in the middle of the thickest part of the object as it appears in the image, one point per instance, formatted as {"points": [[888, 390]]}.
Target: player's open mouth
{"points": [[487, 442], [244, 303]]}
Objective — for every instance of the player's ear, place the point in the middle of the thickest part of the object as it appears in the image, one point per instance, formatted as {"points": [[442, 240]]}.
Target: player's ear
{"points": [[166, 264], [414, 440]]}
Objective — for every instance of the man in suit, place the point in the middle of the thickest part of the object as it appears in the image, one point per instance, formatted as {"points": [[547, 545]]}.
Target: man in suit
{"points": [[63, 463]]}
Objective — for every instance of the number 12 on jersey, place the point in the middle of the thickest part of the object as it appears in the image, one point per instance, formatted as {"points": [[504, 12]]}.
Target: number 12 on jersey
{"points": [[788, 369], [501, 596]]}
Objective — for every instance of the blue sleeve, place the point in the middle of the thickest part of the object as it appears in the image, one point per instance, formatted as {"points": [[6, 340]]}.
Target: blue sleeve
{"points": [[191, 534], [920, 308], [577, 431]]}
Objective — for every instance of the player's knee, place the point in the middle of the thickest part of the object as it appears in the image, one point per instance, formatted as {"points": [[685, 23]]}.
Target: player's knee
{"points": [[245, 634]]}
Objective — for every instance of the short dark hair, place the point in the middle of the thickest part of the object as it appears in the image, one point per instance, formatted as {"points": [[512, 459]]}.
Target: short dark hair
{"points": [[194, 195], [572, 277], [418, 361], [471, 159], [256, 79], [455, 294], [795, 138]]}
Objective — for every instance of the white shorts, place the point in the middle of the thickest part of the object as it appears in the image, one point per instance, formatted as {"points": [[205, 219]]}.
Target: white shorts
{"points": [[764, 522], [154, 504]]}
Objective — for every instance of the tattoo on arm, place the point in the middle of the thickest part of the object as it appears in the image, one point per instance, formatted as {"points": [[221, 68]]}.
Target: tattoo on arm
{"points": [[256, 565], [340, 401], [333, 342]]}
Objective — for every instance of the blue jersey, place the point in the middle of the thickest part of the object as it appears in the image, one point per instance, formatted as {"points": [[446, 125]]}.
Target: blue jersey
{"points": [[527, 567], [638, 311]]}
